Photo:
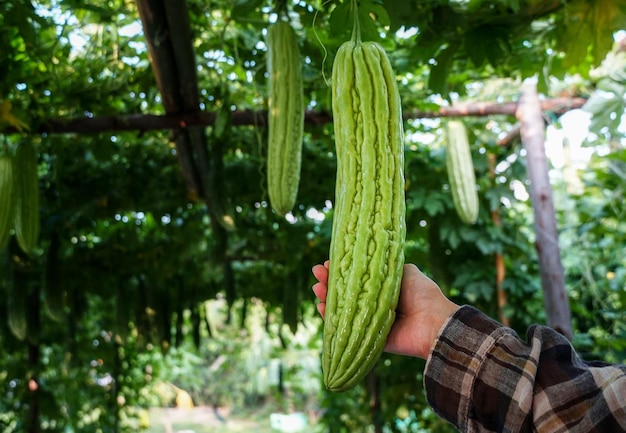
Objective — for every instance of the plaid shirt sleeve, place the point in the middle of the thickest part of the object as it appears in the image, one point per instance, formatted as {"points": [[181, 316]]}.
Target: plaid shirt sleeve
{"points": [[481, 377]]}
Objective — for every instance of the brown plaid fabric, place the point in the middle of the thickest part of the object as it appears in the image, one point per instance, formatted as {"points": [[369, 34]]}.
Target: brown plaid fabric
{"points": [[482, 377]]}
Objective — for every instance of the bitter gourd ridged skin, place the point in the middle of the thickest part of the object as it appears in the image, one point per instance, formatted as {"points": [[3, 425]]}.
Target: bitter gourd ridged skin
{"points": [[6, 199], [461, 172], [368, 233], [16, 313], [52, 299], [26, 216], [285, 117]]}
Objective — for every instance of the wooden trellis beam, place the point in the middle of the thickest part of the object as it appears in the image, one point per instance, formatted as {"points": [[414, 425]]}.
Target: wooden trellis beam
{"points": [[150, 122]]}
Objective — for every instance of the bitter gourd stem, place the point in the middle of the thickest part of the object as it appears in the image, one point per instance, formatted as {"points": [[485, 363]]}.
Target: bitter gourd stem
{"points": [[356, 28]]}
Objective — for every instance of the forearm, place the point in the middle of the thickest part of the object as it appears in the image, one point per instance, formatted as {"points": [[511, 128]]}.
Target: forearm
{"points": [[481, 377]]}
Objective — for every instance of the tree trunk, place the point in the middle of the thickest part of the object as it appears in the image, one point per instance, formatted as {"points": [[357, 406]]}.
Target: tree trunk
{"points": [[34, 351], [498, 256], [373, 389], [33, 389], [547, 244]]}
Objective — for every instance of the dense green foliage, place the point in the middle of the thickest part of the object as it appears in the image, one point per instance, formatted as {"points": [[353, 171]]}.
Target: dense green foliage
{"points": [[132, 256]]}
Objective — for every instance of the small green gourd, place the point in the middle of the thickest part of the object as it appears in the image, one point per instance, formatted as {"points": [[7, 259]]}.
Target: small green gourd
{"points": [[461, 174], [285, 117]]}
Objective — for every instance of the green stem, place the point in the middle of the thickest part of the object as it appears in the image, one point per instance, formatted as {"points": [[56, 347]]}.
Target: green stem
{"points": [[356, 28], [281, 8]]}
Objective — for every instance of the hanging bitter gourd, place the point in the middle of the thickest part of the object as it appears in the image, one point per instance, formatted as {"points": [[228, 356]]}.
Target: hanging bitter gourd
{"points": [[53, 295], [6, 199], [460, 169], [16, 312], [16, 301], [368, 232], [26, 216], [285, 117]]}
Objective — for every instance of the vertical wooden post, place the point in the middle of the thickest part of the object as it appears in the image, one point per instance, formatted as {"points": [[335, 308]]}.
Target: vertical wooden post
{"points": [[552, 275], [373, 389], [498, 256], [33, 419]]}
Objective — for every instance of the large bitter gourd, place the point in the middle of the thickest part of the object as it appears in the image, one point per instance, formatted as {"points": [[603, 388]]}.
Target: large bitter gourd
{"points": [[368, 233]]}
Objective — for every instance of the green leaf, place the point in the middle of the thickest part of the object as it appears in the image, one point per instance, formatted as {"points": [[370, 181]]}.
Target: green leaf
{"points": [[399, 12], [432, 203], [473, 5], [451, 236], [607, 106], [437, 79], [477, 290], [341, 20], [588, 29], [369, 31], [371, 15], [243, 8], [488, 247], [377, 12], [512, 4], [474, 46], [486, 43]]}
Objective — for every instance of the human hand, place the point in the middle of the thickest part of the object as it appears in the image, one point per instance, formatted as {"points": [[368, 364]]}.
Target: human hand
{"points": [[421, 312]]}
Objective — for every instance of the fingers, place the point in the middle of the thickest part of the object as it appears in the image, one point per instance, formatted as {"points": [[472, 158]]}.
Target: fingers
{"points": [[320, 289], [321, 308], [410, 273], [412, 277], [320, 272]]}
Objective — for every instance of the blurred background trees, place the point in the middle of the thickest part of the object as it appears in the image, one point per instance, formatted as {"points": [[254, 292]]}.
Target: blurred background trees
{"points": [[140, 280]]}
